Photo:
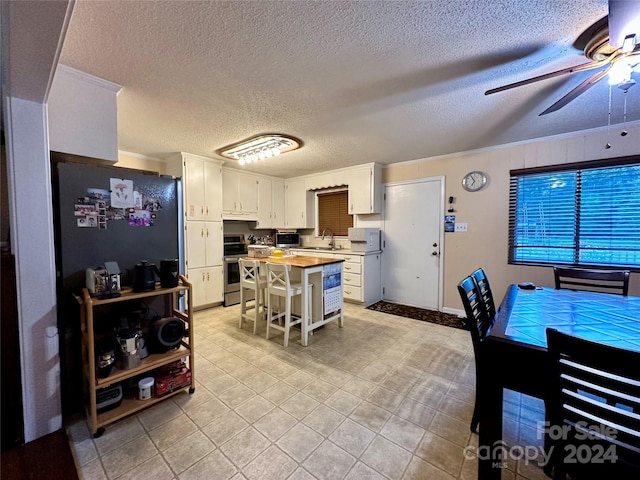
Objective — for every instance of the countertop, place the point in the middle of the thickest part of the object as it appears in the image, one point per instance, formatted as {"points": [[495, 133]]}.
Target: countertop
{"points": [[300, 261], [345, 251]]}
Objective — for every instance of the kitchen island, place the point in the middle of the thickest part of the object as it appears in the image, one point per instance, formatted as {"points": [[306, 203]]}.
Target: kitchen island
{"points": [[326, 276], [362, 280]]}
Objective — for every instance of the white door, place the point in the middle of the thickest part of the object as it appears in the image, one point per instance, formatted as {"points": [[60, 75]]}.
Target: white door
{"points": [[413, 234]]}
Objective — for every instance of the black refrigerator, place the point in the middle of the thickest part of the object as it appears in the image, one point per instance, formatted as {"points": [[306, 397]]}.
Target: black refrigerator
{"points": [[106, 214]]}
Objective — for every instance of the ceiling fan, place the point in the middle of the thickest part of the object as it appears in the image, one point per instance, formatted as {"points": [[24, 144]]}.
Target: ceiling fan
{"points": [[613, 46]]}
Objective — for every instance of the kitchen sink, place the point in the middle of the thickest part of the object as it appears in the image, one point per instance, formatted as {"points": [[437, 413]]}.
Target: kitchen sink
{"points": [[318, 248]]}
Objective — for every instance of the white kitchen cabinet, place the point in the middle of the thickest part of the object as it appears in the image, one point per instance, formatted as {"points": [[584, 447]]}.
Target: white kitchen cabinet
{"points": [[299, 205], [202, 200], [265, 204], [361, 274], [207, 285], [278, 204], [203, 260], [239, 195], [365, 189], [271, 203], [203, 244], [201, 184], [213, 191], [362, 281]]}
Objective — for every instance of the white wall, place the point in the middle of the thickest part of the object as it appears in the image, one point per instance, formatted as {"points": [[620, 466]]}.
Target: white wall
{"points": [[31, 211], [486, 212], [83, 115]]}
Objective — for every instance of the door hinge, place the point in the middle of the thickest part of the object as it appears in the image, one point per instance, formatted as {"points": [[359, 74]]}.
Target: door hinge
{"points": [[383, 290]]}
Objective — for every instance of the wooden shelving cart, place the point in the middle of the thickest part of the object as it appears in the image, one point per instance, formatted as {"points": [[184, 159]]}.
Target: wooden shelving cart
{"points": [[130, 404]]}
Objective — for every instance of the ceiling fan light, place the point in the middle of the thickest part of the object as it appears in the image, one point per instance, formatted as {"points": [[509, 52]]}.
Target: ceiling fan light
{"points": [[620, 72]]}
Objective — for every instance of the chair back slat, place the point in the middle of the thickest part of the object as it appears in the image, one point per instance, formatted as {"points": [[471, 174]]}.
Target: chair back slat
{"points": [[249, 271], [595, 395], [278, 276], [609, 281], [485, 291], [476, 319]]}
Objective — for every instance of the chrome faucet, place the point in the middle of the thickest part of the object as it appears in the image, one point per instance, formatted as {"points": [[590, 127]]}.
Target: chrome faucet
{"points": [[332, 242]]}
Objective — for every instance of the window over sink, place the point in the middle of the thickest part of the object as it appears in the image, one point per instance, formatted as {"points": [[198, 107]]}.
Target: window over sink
{"points": [[333, 212]]}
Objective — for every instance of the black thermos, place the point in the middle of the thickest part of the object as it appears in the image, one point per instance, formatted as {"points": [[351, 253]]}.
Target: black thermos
{"points": [[169, 273]]}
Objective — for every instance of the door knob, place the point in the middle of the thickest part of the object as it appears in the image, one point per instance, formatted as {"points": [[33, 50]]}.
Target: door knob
{"points": [[435, 244], [434, 253]]}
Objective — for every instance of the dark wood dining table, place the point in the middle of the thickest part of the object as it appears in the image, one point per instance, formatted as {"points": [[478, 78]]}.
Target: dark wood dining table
{"points": [[516, 349]]}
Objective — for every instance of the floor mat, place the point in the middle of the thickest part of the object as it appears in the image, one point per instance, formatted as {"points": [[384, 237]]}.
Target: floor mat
{"points": [[416, 313]]}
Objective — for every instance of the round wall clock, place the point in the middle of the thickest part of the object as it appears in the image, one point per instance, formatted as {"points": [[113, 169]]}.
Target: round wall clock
{"points": [[474, 181]]}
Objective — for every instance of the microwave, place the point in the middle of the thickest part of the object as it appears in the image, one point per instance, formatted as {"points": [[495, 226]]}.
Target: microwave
{"points": [[287, 239]]}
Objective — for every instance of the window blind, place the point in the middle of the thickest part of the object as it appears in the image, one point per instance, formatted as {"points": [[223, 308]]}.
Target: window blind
{"points": [[588, 216], [333, 212]]}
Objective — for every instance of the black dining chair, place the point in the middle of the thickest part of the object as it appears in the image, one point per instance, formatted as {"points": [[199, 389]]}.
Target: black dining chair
{"points": [[610, 281], [479, 324], [593, 407], [485, 291]]}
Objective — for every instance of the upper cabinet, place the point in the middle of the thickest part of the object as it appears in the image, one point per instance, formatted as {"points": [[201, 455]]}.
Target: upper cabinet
{"points": [[239, 195], [82, 111], [365, 189], [299, 204], [271, 203], [202, 185], [278, 204], [364, 183]]}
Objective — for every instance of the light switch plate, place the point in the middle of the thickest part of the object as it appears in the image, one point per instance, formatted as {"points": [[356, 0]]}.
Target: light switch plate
{"points": [[461, 227]]}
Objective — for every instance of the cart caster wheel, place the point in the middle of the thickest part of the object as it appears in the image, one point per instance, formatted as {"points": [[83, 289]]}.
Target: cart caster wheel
{"points": [[98, 433], [191, 390]]}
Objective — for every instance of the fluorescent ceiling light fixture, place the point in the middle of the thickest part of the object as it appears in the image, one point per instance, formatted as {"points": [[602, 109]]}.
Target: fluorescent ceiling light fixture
{"points": [[260, 147]]}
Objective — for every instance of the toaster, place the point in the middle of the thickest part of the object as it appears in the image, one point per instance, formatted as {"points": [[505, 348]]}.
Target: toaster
{"points": [[97, 281]]}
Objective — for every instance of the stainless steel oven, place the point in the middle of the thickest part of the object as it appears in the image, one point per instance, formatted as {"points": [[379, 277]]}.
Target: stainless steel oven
{"points": [[234, 249]]}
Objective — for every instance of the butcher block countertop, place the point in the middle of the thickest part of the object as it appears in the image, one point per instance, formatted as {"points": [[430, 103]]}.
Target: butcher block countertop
{"points": [[299, 261]]}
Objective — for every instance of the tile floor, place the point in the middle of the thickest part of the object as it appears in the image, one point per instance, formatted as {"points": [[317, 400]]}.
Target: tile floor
{"points": [[385, 397]]}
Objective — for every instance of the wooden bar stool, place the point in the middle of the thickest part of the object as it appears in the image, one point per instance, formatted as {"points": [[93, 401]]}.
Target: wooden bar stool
{"points": [[281, 290], [252, 309]]}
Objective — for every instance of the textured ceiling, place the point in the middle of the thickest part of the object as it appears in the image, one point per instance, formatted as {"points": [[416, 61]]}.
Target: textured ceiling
{"points": [[383, 81]]}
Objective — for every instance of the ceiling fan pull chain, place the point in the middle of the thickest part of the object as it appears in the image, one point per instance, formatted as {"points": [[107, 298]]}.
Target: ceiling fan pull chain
{"points": [[608, 145], [624, 116]]}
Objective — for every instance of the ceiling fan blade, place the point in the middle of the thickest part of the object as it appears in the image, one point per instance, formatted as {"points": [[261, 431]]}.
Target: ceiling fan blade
{"points": [[580, 89], [624, 19], [557, 73]]}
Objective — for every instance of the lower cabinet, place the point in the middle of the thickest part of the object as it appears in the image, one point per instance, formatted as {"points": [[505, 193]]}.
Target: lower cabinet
{"points": [[362, 280], [207, 284], [361, 275], [137, 350]]}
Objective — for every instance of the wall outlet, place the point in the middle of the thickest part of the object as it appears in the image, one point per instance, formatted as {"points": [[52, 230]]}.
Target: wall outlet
{"points": [[461, 227]]}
